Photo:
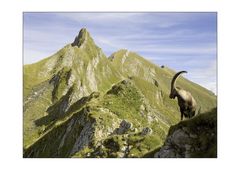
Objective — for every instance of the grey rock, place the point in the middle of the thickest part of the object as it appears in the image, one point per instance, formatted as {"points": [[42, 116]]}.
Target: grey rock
{"points": [[165, 153], [179, 138], [193, 135], [146, 131], [84, 138], [124, 127], [188, 147], [184, 141]]}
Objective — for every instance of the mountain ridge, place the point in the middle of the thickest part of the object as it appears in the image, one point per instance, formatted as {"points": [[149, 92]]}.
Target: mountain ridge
{"points": [[80, 103]]}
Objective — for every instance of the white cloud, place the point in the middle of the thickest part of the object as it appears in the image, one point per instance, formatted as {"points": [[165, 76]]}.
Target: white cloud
{"points": [[206, 76]]}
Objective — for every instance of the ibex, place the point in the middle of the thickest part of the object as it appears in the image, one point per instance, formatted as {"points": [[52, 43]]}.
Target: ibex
{"points": [[186, 101]]}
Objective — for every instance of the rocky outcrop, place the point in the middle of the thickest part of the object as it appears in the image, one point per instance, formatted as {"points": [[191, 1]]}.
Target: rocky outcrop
{"points": [[196, 137], [146, 131], [81, 39], [123, 128], [66, 138]]}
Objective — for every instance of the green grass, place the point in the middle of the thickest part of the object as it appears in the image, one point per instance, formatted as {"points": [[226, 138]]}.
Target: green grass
{"points": [[145, 86], [125, 103]]}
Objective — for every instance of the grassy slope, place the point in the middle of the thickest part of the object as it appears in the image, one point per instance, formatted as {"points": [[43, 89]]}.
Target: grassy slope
{"points": [[81, 65], [150, 87], [147, 73], [105, 112]]}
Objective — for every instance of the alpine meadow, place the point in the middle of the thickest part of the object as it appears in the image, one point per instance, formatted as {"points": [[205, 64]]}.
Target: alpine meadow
{"points": [[82, 103]]}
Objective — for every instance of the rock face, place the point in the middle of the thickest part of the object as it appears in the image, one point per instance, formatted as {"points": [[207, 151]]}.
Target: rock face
{"points": [[79, 103], [146, 131], [81, 39], [124, 127], [192, 138]]}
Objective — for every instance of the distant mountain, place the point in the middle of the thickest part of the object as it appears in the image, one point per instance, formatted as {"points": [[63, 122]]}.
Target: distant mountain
{"points": [[79, 103]]}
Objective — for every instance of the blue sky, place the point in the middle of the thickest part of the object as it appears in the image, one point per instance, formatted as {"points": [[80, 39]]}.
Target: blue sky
{"points": [[181, 41]]}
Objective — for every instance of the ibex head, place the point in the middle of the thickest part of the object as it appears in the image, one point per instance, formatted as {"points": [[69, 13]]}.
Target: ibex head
{"points": [[173, 92]]}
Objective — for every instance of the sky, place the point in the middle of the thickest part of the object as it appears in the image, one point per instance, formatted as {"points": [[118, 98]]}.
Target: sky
{"points": [[181, 41]]}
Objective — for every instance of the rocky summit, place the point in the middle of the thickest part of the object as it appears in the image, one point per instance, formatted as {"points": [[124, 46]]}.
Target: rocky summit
{"points": [[81, 103]]}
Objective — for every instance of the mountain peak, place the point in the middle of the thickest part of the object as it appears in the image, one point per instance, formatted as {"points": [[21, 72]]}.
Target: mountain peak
{"points": [[81, 38]]}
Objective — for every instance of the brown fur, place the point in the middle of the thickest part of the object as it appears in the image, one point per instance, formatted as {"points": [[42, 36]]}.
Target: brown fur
{"points": [[186, 101]]}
